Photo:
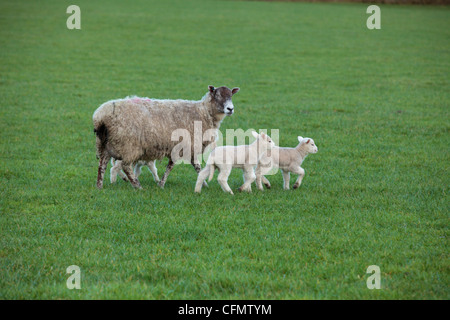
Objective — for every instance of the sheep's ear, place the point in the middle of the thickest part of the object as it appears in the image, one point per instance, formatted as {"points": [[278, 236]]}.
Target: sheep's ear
{"points": [[255, 134], [235, 90], [211, 89], [308, 141], [300, 138], [263, 135]]}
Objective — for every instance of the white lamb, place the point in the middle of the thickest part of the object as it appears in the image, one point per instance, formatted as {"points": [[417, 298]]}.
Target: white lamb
{"points": [[225, 158], [288, 160], [117, 170]]}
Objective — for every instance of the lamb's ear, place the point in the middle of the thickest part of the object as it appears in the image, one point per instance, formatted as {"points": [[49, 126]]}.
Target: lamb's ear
{"points": [[235, 90], [308, 141], [255, 134], [211, 89], [300, 138]]}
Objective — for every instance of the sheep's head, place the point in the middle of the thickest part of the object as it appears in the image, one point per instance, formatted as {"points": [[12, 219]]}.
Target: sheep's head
{"points": [[221, 98], [308, 144], [264, 141]]}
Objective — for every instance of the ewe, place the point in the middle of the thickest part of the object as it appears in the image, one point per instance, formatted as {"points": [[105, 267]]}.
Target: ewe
{"points": [[134, 129], [225, 158], [288, 160]]}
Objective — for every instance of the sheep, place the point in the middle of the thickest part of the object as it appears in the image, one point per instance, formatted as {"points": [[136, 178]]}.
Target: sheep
{"points": [[225, 158], [134, 129], [116, 169], [288, 160]]}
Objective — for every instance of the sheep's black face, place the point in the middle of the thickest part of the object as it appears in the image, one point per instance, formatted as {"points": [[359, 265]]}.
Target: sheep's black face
{"points": [[222, 98]]}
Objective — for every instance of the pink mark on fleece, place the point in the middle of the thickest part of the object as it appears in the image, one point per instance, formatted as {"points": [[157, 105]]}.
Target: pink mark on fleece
{"points": [[140, 100]]}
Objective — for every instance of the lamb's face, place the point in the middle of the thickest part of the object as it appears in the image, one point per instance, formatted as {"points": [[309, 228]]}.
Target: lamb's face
{"points": [[310, 145], [264, 141], [222, 98]]}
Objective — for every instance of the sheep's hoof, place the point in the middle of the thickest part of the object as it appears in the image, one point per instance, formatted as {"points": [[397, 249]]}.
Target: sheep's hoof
{"points": [[161, 185], [205, 184], [295, 186], [268, 186]]}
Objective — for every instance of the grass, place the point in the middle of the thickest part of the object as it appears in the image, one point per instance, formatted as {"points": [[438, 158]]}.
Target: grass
{"points": [[376, 103]]}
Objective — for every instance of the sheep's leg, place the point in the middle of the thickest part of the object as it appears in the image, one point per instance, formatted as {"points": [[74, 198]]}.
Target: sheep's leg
{"points": [[169, 168], [128, 169], [151, 165], [202, 176], [223, 180], [286, 178], [301, 174], [249, 177], [103, 163]]}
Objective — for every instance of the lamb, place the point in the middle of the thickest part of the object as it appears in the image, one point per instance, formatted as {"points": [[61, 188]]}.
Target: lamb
{"points": [[288, 160], [225, 158], [117, 170], [134, 129]]}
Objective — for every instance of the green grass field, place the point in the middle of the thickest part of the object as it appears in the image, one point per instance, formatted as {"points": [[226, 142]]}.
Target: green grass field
{"points": [[376, 102]]}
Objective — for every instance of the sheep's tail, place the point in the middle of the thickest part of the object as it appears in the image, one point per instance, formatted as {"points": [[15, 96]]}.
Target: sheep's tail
{"points": [[212, 169], [101, 132]]}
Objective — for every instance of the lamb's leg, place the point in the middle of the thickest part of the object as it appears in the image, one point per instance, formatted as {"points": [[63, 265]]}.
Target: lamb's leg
{"points": [[198, 168], [137, 169], [116, 170], [266, 182], [260, 178], [286, 178], [169, 168], [123, 175], [128, 169], [223, 180], [301, 173], [249, 177], [103, 163], [202, 176], [151, 165]]}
